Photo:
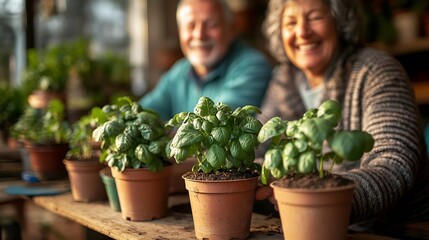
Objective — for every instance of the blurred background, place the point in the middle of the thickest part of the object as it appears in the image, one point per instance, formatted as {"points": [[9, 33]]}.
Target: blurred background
{"points": [[96, 50], [127, 45]]}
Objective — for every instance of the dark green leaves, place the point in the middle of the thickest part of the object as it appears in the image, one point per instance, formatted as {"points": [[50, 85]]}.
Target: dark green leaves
{"points": [[298, 146], [274, 127], [220, 139], [130, 136]]}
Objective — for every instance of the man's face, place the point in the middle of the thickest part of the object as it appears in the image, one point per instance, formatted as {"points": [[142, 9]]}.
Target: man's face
{"points": [[205, 36]]}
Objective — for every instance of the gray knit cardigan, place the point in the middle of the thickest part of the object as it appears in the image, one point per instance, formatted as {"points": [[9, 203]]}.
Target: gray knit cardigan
{"points": [[392, 179]]}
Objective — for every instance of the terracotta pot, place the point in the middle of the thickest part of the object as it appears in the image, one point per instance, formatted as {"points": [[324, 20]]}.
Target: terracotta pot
{"points": [[110, 185], [143, 195], [222, 209], [47, 160], [85, 181], [177, 185], [308, 214]]}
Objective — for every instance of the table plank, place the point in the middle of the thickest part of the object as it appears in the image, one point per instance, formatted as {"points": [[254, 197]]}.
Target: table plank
{"points": [[100, 217]]}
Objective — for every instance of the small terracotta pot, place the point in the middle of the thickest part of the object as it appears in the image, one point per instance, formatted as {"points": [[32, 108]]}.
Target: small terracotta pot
{"points": [[85, 181], [47, 160], [143, 195], [222, 209], [308, 214]]}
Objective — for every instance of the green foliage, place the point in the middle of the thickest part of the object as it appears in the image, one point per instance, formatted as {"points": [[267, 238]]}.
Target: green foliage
{"points": [[12, 105], [131, 136], [220, 139], [298, 146], [43, 126], [80, 142]]}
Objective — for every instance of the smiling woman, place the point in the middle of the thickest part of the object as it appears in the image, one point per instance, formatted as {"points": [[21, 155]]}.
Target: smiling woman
{"points": [[318, 46]]}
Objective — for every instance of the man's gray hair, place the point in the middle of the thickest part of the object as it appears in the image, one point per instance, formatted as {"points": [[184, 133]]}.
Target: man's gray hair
{"points": [[347, 17], [227, 12]]}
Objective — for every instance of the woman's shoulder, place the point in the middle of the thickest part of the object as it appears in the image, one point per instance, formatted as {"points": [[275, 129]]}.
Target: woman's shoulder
{"points": [[375, 59], [371, 55]]}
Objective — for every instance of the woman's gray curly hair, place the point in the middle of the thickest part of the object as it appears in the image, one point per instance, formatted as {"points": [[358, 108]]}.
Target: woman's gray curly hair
{"points": [[346, 13]]}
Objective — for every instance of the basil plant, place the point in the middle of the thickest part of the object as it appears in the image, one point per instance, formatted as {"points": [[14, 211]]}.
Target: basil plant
{"points": [[302, 146], [221, 139], [132, 137]]}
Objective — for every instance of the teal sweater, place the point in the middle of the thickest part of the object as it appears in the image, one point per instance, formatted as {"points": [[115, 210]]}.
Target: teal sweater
{"points": [[240, 79]]}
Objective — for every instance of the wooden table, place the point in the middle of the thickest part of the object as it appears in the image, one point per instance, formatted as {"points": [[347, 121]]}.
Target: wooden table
{"points": [[178, 225]]}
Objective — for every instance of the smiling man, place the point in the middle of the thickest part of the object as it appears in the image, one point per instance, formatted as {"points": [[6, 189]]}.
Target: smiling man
{"points": [[216, 64]]}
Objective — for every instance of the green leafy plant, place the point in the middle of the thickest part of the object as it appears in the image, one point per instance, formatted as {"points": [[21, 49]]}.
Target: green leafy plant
{"points": [[81, 143], [132, 137], [221, 139], [302, 146], [12, 105], [43, 126]]}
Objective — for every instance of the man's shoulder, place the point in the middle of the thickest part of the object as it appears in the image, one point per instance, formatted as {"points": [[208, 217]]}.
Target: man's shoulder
{"points": [[244, 54], [181, 66]]}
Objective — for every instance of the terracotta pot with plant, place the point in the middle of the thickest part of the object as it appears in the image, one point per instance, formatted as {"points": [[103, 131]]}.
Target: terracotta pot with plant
{"points": [[83, 161], [133, 144], [222, 184], [309, 196], [45, 134]]}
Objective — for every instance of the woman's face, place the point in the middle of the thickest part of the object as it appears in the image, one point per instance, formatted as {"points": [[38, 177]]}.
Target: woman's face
{"points": [[309, 35]]}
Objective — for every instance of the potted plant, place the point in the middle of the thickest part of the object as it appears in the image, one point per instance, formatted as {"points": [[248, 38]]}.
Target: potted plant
{"points": [[133, 143], [44, 134], [308, 195], [222, 184], [12, 105], [82, 159]]}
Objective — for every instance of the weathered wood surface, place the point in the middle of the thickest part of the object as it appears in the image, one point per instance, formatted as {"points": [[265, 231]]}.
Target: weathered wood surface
{"points": [[178, 225], [100, 217]]}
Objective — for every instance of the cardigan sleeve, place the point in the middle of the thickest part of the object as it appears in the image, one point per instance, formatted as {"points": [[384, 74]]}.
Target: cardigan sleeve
{"points": [[380, 100]]}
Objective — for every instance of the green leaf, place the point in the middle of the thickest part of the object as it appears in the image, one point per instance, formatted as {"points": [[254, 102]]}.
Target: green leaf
{"points": [[135, 163], [273, 158], [123, 142], [206, 167], [251, 109], [251, 125], [221, 135], [155, 166], [216, 156], [186, 136], [236, 150], [247, 141], [351, 145], [204, 107], [330, 107], [143, 154], [273, 128], [317, 129], [265, 174], [307, 162]]}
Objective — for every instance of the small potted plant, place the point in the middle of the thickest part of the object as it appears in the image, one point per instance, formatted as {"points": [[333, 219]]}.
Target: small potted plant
{"points": [[45, 134], [12, 105], [222, 184], [133, 143], [308, 195], [82, 160]]}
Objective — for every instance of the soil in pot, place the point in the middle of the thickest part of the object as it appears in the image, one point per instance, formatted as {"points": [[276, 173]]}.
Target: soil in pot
{"points": [[312, 181]]}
